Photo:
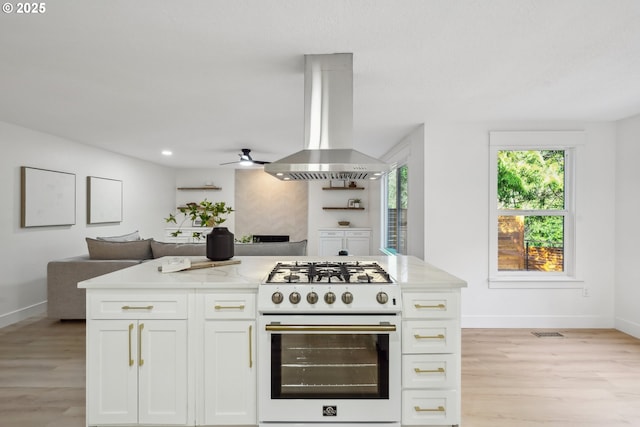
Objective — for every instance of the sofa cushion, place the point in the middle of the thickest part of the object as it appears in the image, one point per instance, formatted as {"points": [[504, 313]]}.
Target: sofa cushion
{"points": [[123, 238], [160, 249], [102, 249], [272, 249]]}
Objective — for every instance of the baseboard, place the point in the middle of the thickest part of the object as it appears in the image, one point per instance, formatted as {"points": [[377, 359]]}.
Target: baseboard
{"points": [[536, 321], [23, 313], [628, 327]]}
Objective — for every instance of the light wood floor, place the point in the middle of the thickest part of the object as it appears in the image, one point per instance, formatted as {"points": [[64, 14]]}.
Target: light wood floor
{"points": [[509, 377]]}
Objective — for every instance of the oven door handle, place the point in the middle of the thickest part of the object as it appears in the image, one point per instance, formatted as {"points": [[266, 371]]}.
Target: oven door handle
{"points": [[330, 328]]}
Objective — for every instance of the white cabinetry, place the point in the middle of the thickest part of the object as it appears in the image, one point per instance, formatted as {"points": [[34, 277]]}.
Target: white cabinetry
{"points": [[431, 358], [333, 240], [137, 366], [227, 388]]}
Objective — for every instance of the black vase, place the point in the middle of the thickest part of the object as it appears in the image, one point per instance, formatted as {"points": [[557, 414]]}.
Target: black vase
{"points": [[219, 244]]}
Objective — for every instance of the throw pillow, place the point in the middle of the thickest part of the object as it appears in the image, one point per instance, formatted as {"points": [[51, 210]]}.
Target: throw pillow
{"points": [[102, 249], [124, 238], [160, 249]]}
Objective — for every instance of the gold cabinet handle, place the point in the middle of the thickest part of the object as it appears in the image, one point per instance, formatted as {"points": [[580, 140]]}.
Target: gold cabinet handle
{"points": [[140, 359], [250, 346], [131, 361], [429, 371], [438, 409], [229, 307], [430, 307], [429, 337], [133, 307]]}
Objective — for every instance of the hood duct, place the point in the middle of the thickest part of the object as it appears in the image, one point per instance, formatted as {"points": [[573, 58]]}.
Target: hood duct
{"points": [[328, 127]]}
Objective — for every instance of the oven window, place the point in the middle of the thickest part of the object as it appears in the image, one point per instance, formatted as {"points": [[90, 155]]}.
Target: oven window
{"points": [[339, 366]]}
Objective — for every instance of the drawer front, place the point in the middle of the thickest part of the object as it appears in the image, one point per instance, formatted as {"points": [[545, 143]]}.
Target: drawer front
{"points": [[139, 306], [432, 305], [430, 371], [437, 336], [230, 306], [430, 407], [331, 234], [366, 234]]}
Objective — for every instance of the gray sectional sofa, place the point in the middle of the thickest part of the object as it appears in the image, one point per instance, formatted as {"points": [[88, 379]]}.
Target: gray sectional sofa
{"points": [[66, 301]]}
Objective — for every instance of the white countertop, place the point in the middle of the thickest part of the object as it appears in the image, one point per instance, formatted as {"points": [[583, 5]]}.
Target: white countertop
{"points": [[408, 271]]}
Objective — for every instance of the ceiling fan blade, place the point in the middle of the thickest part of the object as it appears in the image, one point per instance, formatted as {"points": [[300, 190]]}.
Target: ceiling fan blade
{"points": [[228, 163], [260, 162]]}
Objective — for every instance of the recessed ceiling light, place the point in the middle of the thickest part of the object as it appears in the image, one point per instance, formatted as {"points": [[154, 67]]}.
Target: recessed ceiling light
{"points": [[167, 152]]}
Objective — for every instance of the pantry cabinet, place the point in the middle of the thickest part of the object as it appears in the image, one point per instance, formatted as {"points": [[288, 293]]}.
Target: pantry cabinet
{"points": [[137, 359]]}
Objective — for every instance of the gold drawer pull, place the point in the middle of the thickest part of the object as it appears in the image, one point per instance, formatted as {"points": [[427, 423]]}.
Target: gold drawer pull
{"points": [[250, 346], [133, 307], [431, 307], [229, 307], [438, 409], [429, 371], [429, 337]]}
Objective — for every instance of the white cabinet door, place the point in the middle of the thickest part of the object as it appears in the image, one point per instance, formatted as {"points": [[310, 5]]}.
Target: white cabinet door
{"points": [[112, 372], [330, 246], [358, 246], [137, 372], [162, 370], [229, 396]]}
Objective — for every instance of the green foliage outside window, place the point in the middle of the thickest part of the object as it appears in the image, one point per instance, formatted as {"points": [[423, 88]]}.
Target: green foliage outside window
{"points": [[534, 180]]}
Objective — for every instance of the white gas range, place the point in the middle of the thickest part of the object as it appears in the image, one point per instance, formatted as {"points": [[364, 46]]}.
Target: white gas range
{"points": [[329, 345]]}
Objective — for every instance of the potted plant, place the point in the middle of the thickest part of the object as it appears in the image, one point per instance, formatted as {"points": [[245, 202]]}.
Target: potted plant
{"points": [[207, 214], [356, 203], [203, 214]]}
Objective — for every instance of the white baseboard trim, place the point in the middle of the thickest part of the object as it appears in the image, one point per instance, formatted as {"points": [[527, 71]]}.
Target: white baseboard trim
{"points": [[536, 321], [22, 314], [628, 327]]}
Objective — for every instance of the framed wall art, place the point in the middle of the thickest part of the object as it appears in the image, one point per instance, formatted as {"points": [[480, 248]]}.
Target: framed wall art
{"points": [[47, 197], [104, 200]]}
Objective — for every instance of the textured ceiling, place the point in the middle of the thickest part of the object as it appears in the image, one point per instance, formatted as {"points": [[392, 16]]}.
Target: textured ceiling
{"points": [[206, 78]]}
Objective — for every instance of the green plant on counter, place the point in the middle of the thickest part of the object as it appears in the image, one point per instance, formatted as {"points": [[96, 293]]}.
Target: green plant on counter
{"points": [[248, 238], [204, 214]]}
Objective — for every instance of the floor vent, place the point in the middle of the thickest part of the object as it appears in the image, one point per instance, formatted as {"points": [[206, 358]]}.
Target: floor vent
{"points": [[547, 334]]}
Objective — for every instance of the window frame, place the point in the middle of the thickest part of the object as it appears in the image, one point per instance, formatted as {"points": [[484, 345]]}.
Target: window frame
{"points": [[385, 207], [568, 141]]}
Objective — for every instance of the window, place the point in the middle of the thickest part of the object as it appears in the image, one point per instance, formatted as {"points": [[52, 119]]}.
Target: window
{"points": [[531, 206], [397, 201]]}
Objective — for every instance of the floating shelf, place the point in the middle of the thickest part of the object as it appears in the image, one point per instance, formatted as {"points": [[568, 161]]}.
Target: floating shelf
{"points": [[342, 209], [204, 187], [343, 188]]}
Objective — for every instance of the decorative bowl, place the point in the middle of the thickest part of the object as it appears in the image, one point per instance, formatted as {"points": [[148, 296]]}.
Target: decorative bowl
{"points": [[344, 223]]}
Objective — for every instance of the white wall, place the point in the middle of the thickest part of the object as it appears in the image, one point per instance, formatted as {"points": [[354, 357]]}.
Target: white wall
{"points": [[148, 193], [627, 295], [456, 232]]}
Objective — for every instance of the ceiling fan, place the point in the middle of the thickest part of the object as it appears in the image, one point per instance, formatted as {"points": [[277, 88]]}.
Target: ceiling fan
{"points": [[246, 159]]}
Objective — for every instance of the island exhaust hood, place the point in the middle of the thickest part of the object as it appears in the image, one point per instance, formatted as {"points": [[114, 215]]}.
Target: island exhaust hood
{"points": [[328, 127]]}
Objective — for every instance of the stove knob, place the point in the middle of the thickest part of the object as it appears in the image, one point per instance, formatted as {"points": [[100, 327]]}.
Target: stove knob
{"points": [[329, 297], [294, 297], [277, 297], [382, 297], [312, 298], [347, 297]]}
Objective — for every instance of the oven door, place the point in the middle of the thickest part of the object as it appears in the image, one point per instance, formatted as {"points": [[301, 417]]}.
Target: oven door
{"points": [[329, 368]]}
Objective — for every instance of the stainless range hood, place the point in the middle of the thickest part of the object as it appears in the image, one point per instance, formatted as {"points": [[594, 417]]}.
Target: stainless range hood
{"points": [[328, 127]]}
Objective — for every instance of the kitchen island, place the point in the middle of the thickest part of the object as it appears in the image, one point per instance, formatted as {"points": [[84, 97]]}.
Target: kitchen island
{"points": [[182, 348]]}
